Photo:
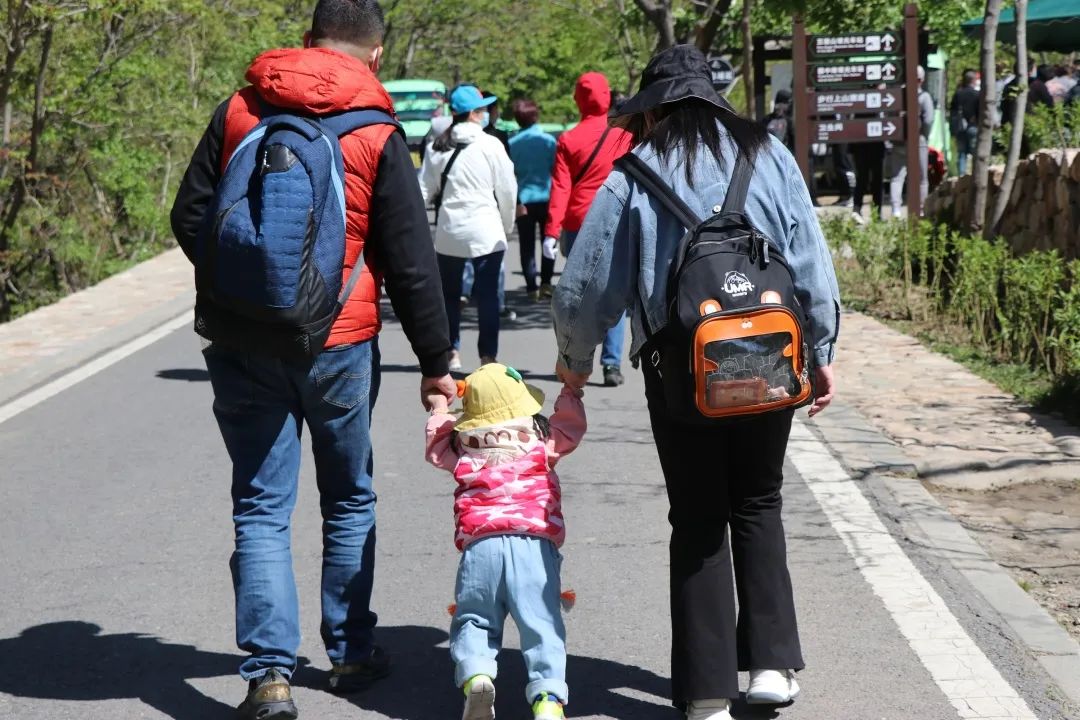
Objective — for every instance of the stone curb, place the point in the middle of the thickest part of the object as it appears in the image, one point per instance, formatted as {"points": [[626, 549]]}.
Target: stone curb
{"points": [[877, 462]]}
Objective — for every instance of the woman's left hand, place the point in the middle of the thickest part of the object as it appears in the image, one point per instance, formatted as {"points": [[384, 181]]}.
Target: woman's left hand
{"points": [[824, 388]]}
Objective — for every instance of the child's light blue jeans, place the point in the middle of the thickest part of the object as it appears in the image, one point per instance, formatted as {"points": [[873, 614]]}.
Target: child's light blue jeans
{"points": [[518, 575]]}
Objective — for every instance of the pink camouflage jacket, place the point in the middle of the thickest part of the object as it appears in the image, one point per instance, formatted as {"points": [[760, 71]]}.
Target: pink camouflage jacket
{"points": [[506, 472]]}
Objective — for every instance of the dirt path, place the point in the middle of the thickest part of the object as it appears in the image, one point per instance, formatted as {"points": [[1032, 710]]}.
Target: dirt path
{"points": [[1033, 531]]}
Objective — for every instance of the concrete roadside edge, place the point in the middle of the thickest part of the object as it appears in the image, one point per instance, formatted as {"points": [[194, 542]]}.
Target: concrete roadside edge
{"points": [[877, 462], [20, 383]]}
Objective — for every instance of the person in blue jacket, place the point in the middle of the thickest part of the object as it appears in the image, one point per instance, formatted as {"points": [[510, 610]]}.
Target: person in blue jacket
{"points": [[533, 152]]}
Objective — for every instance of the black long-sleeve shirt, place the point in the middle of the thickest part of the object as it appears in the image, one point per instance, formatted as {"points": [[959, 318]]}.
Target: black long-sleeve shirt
{"points": [[398, 241]]}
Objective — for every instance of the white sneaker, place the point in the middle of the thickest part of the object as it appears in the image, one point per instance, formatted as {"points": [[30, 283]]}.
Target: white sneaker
{"points": [[479, 699], [709, 710], [455, 361], [772, 687]]}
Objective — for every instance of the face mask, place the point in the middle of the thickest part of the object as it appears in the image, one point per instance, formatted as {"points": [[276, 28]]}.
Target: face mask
{"points": [[485, 119]]}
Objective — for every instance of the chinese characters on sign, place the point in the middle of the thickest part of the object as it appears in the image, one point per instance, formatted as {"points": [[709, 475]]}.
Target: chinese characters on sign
{"points": [[858, 44], [832, 131], [875, 72], [848, 101], [723, 75]]}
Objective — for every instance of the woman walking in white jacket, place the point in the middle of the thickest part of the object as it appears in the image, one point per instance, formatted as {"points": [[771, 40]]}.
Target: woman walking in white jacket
{"points": [[469, 179]]}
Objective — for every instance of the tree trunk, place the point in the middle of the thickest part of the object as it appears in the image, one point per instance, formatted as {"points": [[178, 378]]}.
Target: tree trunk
{"points": [[660, 14], [748, 57], [712, 17], [1017, 135], [22, 182], [987, 103]]}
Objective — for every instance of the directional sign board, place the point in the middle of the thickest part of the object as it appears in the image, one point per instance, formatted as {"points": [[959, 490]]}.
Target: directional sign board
{"points": [[855, 101], [854, 131], [856, 73], [722, 73], [827, 46]]}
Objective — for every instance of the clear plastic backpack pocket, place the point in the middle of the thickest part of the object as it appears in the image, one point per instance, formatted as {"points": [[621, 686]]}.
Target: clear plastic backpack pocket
{"points": [[748, 362]]}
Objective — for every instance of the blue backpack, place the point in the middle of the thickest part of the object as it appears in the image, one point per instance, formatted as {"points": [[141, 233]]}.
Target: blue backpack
{"points": [[269, 257]]}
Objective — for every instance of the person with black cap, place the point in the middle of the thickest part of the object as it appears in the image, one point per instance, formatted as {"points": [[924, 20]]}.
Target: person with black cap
{"points": [[717, 476]]}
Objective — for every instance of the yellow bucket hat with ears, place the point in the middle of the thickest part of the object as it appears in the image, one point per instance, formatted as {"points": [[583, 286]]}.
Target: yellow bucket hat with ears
{"points": [[494, 394]]}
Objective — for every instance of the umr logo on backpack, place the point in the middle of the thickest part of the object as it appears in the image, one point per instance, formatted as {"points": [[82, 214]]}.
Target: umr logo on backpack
{"points": [[733, 344]]}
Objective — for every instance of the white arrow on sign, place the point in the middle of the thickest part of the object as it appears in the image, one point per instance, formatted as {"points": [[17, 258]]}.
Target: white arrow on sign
{"points": [[889, 99], [890, 128], [887, 41], [888, 71]]}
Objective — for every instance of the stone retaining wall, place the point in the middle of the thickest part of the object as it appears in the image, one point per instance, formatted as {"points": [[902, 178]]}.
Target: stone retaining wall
{"points": [[1043, 211]]}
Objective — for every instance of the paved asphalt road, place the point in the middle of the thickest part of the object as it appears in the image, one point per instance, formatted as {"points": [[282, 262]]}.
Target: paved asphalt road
{"points": [[115, 535]]}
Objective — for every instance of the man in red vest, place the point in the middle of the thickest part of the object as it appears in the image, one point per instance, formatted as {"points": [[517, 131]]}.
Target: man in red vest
{"points": [[584, 157], [261, 402]]}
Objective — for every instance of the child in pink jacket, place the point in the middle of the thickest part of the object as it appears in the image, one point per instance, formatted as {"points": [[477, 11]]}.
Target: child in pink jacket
{"points": [[508, 513]]}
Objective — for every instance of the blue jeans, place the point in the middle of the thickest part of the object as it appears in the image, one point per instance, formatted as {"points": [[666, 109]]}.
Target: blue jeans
{"points": [[519, 576], [611, 351], [261, 404], [488, 269], [966, 145], [468, 278]]}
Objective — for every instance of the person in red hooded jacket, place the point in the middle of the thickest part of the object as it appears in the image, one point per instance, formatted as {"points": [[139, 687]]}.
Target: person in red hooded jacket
{"points": [[584, 157], [261, 402]]}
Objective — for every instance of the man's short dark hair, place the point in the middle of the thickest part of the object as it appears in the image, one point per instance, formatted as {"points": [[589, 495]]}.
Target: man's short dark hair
{"points": [[359, 22], [526, 112]]}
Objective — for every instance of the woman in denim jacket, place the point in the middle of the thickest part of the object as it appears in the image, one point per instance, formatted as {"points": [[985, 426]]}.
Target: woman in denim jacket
{"points": [[716, 477]]}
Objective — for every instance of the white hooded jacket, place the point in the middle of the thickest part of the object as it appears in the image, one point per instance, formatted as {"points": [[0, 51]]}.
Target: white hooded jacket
{"points": [[480, 197]]}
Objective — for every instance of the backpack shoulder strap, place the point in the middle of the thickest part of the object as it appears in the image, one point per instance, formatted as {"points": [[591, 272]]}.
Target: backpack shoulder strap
{"points": [[588, 163], [645, 176], [735, 200], [436, 201], [343, 123], [446, 170]]}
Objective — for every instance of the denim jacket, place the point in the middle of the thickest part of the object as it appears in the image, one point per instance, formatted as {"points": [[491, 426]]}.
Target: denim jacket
{"points": [[622, 256]]}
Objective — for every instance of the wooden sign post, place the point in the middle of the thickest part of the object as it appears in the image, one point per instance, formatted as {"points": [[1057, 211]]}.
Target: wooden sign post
{"points": [[852, 93]]}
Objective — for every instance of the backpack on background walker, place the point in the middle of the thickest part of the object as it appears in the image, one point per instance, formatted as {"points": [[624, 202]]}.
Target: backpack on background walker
{"points": [[733, 344], [269, 257]]}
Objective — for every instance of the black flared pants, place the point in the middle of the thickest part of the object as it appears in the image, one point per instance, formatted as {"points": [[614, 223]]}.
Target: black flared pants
{"points": [[719, 478]]}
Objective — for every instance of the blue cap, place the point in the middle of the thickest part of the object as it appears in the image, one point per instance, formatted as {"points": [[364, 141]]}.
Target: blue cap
{"points": [[467, 98]]}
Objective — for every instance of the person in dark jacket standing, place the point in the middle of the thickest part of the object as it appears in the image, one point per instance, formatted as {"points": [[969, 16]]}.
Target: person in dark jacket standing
{"points": [[964, 119], [261, 402], [584, 157]]}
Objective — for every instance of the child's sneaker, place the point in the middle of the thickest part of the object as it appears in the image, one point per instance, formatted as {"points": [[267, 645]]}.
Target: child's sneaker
{"points": [[772, 687], [547, 707], [709, 710], [479, 699]]}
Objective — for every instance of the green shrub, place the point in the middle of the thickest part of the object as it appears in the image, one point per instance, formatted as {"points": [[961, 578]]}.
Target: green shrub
{"points": [[1024, 309]]}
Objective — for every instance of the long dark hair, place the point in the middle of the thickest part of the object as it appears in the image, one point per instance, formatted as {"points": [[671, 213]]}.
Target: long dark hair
{"points": [[691, 125], [445, 141]]}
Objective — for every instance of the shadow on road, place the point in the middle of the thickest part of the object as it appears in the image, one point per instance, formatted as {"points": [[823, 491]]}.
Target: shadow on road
{"points": [[74, 661], [421, 686], [186, 374]]}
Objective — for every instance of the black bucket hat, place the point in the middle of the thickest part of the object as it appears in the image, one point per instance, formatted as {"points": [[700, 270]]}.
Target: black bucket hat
{"points": [[677, 73]]}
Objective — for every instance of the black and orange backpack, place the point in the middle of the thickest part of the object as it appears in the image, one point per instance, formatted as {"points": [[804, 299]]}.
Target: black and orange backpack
{"points": [[734, 342]]}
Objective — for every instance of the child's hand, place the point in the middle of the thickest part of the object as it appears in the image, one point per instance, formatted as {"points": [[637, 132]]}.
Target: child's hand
{"points": [[439, 406], [576, 392], [571, 379]]}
